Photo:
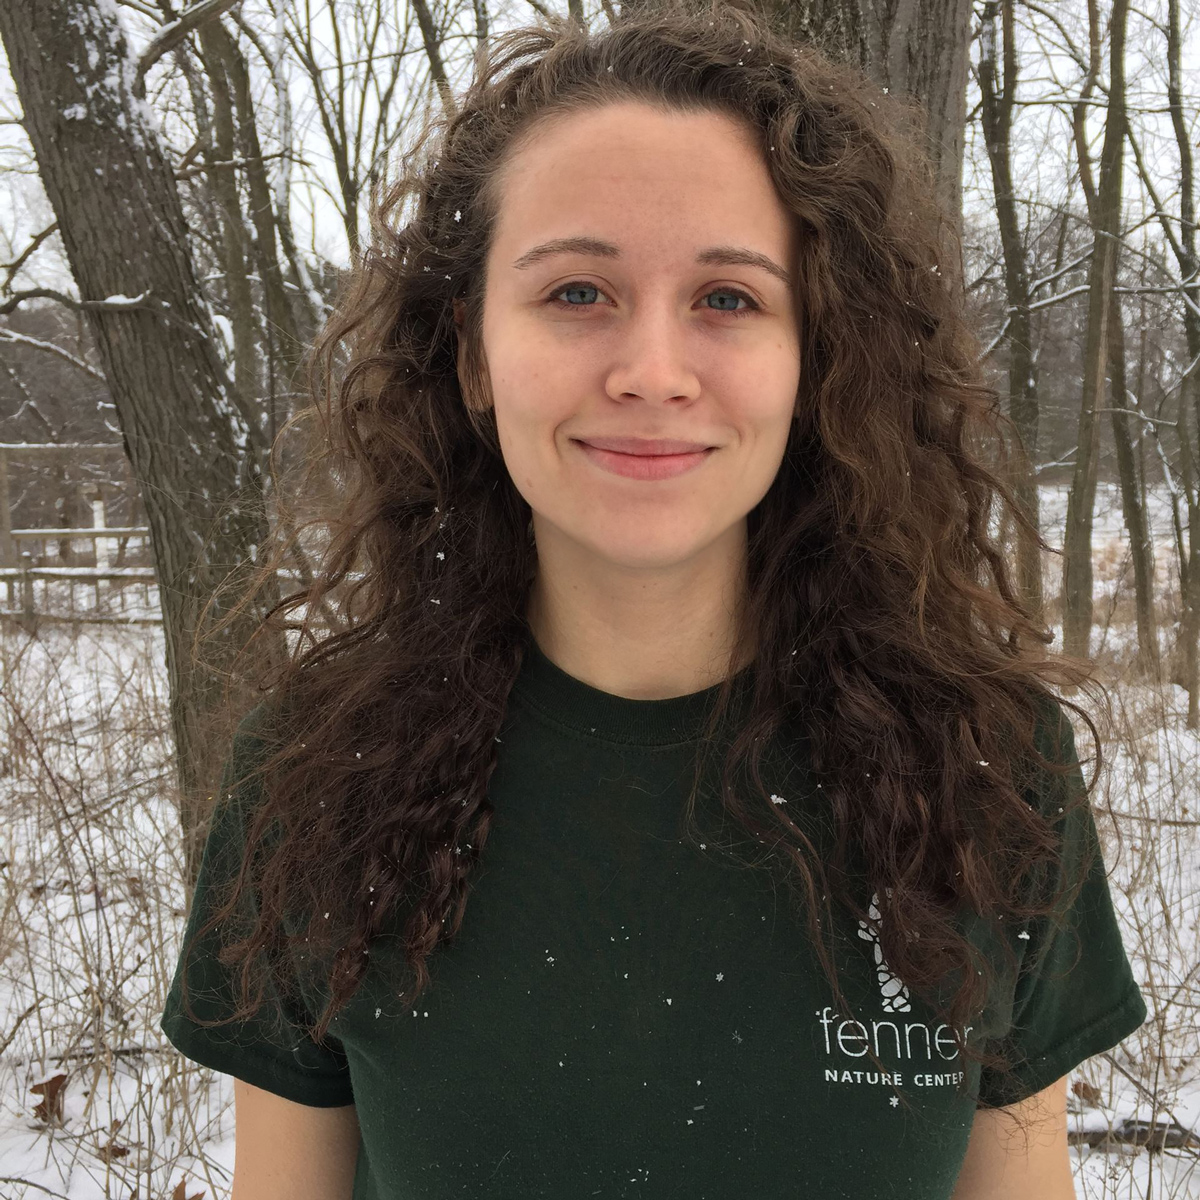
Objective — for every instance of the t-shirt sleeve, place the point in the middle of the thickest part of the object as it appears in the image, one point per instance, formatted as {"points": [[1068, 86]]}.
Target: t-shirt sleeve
{"points": [[272, 1050], [1075, 995]]}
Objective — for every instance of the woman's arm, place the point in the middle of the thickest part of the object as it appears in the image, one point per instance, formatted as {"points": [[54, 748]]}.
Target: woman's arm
{"points": [[289, 1151], [1001, 1165]]}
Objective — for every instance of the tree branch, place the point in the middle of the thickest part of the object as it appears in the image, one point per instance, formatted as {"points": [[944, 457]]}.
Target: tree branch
{"points": [[20, 339], [169, 36], [117, 303], [18, 262]]}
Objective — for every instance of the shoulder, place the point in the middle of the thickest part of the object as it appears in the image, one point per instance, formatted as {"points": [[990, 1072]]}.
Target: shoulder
{"points": [[1053, 731], [256, 736], [259, 726], [1058, 770], [255, 740]]}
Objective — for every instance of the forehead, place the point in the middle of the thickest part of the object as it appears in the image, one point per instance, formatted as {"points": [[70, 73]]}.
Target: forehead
{"points": [[633, 166], [622, 125]]}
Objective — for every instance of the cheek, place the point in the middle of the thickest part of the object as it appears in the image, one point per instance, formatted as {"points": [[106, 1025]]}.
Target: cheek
{"points": [[533, 403], [765, 410], [526, 425], [765, 422]]}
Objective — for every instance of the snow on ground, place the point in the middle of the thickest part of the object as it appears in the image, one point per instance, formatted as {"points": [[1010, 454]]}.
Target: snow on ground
{"points": [[91, 909]]}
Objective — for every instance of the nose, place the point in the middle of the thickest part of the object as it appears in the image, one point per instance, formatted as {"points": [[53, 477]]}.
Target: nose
{"points": [[653, 357]]}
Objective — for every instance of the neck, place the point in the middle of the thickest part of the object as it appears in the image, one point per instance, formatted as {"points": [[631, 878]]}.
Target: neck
{"points": [[635, 632]]}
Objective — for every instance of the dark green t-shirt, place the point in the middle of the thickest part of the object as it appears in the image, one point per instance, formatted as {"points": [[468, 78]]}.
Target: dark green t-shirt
{"points": [[628, 1012]]}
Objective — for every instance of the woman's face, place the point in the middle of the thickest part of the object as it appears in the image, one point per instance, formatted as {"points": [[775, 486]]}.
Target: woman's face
{"points": [[665, 325]]}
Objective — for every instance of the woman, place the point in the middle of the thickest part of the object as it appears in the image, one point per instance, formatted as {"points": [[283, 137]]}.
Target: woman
{"points": [[659, 436]]}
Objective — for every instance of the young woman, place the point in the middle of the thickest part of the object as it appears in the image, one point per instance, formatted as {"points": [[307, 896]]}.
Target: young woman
{"points": [[659, 575]]}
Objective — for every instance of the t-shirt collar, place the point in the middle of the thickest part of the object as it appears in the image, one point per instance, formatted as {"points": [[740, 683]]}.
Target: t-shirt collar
{"points": [[571, 703]]}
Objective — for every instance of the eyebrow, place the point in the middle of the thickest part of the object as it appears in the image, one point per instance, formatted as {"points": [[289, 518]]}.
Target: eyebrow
{"points": [[721, 256]]}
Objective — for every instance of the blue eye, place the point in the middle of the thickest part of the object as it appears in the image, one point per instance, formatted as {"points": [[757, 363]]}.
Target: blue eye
{"points": [[583, 285]]}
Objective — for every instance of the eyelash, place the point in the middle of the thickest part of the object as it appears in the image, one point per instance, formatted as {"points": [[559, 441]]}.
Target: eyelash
{"points": [[731, 312]]}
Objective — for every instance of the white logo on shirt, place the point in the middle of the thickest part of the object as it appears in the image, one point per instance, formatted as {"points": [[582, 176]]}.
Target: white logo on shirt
{"points": [[892, 989]]}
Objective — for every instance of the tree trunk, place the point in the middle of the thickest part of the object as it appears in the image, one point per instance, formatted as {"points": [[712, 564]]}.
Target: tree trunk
{"points": [[196, 460], [1023, 405], [1189, 392], [279, 312], [235, 247], [1189, 567], [1136, 523], [1106, 221]]}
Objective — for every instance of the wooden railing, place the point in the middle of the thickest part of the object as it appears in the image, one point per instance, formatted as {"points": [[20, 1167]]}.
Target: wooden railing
{"points": [[21, 569]]}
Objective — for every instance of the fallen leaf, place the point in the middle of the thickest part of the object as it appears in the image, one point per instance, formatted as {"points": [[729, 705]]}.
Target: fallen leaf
{"points": [[49, 1109]]}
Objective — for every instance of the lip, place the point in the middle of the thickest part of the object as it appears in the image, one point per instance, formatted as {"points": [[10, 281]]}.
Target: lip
{"points": [[644, 446], [644, 466]]}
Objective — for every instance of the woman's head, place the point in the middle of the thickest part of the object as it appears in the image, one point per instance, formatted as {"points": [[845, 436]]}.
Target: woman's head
{"points": [[638, 283], [665, 145], [852, 428]]}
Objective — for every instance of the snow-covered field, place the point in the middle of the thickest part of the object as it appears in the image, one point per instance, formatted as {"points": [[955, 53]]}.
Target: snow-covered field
{"points": [[91, 911]]}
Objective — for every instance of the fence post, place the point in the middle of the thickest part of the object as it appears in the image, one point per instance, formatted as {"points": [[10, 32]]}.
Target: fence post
{"points": [[7, 553], [28, 619], [102, 545]]}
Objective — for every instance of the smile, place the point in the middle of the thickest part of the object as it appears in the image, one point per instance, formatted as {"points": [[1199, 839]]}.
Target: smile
{"points": [[644, 466]]}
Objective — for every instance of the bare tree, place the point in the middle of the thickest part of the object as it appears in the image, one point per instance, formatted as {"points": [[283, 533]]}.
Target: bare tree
{"points": [[1132, 503], [998, 89], [355, 73], [191, 446], [1106, 224], [1183, 247]]}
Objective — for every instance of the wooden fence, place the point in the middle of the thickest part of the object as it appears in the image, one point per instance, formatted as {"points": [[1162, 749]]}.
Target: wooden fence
{"points": [[20, 568]]}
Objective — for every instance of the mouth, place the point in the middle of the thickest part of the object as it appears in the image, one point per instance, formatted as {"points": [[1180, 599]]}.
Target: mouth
{"points": [[644, 447], [642, 466]]}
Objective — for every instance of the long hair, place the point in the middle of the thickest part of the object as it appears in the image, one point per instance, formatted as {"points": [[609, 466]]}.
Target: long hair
{"points": [[886, 628]]}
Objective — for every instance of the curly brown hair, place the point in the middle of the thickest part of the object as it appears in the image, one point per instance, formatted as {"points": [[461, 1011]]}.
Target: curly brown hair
{"points": [[885, 623]]}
